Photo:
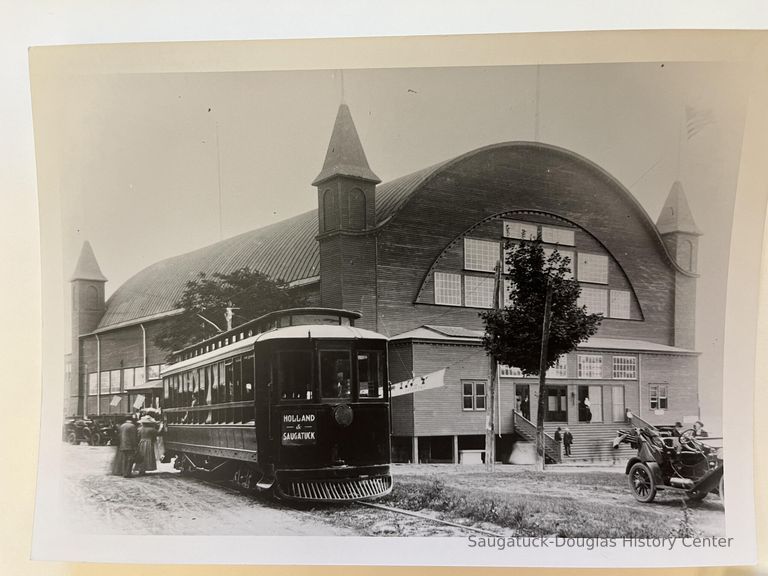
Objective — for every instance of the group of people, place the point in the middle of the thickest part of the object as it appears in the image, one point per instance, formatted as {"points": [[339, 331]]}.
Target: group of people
{"points": [[139, 446]]}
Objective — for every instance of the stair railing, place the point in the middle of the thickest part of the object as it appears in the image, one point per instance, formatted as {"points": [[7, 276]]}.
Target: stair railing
{"points": [[527, 429]]}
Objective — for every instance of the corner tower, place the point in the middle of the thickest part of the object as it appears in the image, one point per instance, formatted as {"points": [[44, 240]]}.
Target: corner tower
{"points": [[88, 306], [681, 236], [346, 202]]}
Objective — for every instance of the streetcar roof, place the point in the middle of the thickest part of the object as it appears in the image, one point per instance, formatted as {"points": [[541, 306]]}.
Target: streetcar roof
{"points": [[314, 331]]}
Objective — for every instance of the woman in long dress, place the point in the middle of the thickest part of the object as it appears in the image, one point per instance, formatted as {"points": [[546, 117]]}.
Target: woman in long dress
{"points": [[145, 454]]}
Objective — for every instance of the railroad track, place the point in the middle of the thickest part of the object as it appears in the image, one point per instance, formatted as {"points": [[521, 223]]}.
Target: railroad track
{"points": [[227, 484]]}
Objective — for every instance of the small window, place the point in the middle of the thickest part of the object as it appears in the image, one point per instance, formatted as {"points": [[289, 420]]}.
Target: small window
{"points": [[335, 374], [595, 299], [658, 396], [563, 254], [590, 366], [558, 236], [560, 369], [520, 230], [104, 383], [473, 395], [293, 374], [93, 384], [114, 381], [370, 373], [593, 268], [480, 255], [153, 372], [624, 367], [447, 289], [620, 304], [478, 291]]}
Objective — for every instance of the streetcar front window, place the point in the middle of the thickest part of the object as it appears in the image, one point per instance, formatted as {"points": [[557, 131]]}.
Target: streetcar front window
{"points": [[370, 371], [335, 374], [294, 374]]}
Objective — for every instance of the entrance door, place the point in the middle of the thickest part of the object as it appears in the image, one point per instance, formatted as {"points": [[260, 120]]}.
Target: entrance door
{"points": [[557, 403], [618, 403], [523, 400], [596, 399]]}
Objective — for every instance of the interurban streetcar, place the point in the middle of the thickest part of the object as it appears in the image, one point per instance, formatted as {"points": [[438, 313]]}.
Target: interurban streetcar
{"points": [[295, 402]]}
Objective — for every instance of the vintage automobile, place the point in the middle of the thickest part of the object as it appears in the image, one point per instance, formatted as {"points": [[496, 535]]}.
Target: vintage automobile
{"points": [[93, 430], [666, 461]]}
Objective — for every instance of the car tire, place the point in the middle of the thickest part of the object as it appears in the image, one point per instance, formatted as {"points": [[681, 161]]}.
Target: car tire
{"points": [[72, 439], [95, 439], [642, 482], [721, 489]]}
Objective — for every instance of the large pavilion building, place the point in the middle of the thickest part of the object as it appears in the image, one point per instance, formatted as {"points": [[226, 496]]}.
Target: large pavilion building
{"points": [[416, 256]]}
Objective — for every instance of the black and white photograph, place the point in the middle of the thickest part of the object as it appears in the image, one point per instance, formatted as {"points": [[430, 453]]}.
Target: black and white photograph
{"points": [[469, 308]]}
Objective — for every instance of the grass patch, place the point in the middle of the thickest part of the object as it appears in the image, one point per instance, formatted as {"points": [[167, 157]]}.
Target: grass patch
{"points": [[540, 515]]}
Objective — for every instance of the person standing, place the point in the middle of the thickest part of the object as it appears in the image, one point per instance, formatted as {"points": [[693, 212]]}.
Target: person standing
{"points": [[587, 410], [567, 441], [127, 436], [558, 438], [145, 453], [698, 430]]}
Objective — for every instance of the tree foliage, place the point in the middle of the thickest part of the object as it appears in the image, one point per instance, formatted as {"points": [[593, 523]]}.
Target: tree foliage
{"points": [[513, 332], [206, 298]]}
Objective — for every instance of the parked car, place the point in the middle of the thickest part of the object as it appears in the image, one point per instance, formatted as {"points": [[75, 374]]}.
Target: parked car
{"points": [[666, 461], [77, 430]]}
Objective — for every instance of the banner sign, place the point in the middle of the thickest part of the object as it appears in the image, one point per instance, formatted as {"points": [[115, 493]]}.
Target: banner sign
{"points": [[299, 428], [418, 384], [139, 401], [115, 401]]}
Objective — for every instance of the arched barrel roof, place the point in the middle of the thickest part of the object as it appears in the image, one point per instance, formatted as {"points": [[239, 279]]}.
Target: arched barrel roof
{"points": [[288, 250]]}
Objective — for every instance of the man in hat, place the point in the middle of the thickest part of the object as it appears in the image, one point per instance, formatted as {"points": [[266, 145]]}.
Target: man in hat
{"points": [[128, 441]]}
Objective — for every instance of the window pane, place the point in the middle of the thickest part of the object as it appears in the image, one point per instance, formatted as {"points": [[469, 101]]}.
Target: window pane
{"points": [[520, 230], [467, 403], [480, 388], [138, 379], [590, 366], [467, 388], [93, 383], [563, 255], [114, 381], [593, 268], [595, 299], [248, 372], [370, 374], [335, 374], [619, 304], [127, 378], [624, 367], [447, 289], [557, 236], [480, 254], [104, 383], [293, 374], [478, 291]]}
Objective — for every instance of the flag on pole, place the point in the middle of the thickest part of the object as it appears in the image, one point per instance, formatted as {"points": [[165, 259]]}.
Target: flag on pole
{"points": [[418, 384]]}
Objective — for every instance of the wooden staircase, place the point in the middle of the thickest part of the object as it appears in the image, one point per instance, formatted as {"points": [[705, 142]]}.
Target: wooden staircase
{"points": [[593, 442], [527, 430]]}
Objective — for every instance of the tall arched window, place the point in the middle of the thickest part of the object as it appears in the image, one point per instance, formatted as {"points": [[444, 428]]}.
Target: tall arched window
{"points": [[353, 210], [92, 298], [330, 211], [685, 255]]}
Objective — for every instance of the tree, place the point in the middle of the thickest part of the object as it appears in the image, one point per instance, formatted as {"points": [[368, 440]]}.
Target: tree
{"points": [[541, 319], [247, 293]]}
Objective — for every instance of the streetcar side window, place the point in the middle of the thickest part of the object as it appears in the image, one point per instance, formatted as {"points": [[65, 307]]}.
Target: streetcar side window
{"points": [[370, 373], [248, 388], [335, 374], [293, 373]]}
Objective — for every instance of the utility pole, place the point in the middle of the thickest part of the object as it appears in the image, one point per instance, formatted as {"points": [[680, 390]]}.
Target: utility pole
{"points": [[490, 407], [540, 446]]}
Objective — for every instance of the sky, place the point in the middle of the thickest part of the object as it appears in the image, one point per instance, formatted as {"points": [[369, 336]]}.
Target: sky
{"points": [[154, 165]]}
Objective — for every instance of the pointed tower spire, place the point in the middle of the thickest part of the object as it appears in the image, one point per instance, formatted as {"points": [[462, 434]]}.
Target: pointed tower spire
{"points": [[87, 267], [345, 155], [676, 215]]}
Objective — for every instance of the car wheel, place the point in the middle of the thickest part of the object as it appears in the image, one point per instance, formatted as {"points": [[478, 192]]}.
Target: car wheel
{"points": [[642, 483], [72, 439], [95, 439], [721, 489]]}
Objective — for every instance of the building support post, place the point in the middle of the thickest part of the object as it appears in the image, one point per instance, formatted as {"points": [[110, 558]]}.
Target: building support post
{"points": [[455, 449], [415, 449], [98, 377]]}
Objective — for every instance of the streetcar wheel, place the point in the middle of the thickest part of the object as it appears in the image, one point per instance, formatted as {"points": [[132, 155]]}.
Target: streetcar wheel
{"points": [[642, 483], [72, 439]]}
